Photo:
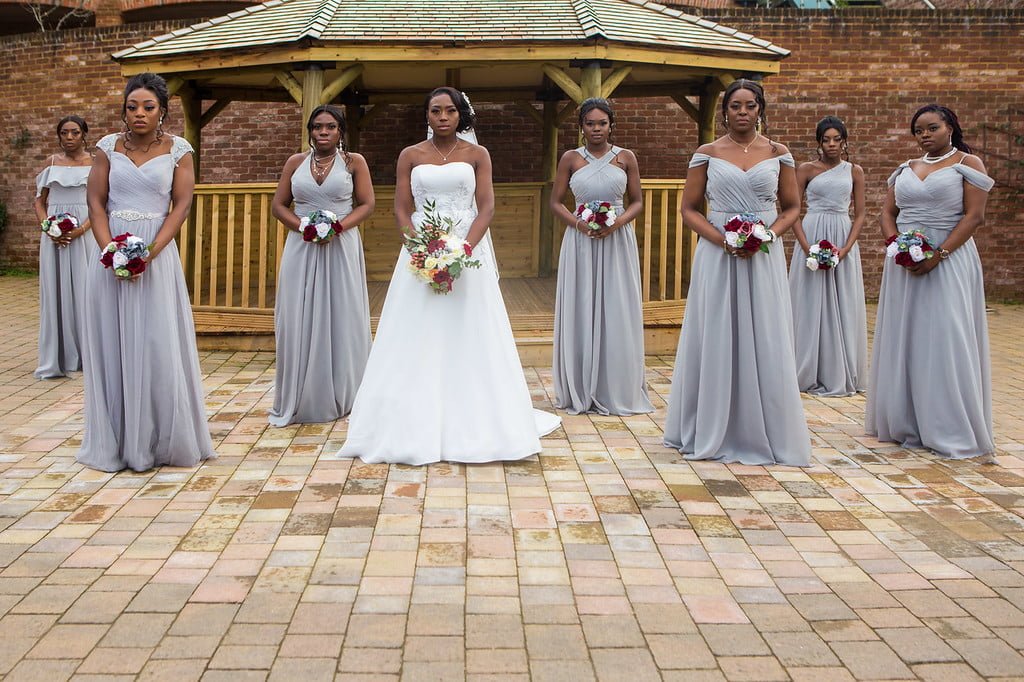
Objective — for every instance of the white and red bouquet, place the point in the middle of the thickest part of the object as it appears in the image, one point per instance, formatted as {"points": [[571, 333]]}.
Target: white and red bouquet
{"points": [[822, 256], [126, 254], [596, 214], [319, 226], [909, 248], [437, 256], [747, 232], [57, 226]]}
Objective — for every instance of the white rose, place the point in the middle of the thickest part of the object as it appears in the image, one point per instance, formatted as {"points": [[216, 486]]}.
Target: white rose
{"points": [[586, 215], [430, 263], [891, 250], [611, 214], [120, 260], [762, 233], [732, 239], [304, 223], [54, 231], [916, 253], [814, 249], [331, 216], [133, 240], [322, 230], [812, 263], [834, 259]]}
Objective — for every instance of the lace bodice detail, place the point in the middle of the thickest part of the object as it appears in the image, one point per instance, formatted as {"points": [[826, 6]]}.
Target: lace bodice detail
{"points": [[141, 190], [452, 189]]}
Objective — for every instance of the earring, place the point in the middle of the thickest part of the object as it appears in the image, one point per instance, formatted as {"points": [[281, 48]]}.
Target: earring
{"points": [[160, 129], [726, 117]]}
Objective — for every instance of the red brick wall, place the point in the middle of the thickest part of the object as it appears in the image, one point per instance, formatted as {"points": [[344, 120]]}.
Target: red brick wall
{"points": [[872, 67]]}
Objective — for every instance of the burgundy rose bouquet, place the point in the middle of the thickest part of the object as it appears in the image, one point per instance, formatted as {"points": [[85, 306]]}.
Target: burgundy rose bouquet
{"points": [[319, 226], [435, 255], [56, 226], [822, 256], [126, 254], [747, 232], [596, 214], [909, 248]]}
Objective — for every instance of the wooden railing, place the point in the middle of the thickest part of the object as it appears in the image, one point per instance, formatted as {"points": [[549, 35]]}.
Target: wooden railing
{"points": [[231, 245]]}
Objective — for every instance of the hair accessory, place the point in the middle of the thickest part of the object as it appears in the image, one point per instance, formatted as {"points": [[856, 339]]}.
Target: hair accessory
{"points": [[469, 104]]}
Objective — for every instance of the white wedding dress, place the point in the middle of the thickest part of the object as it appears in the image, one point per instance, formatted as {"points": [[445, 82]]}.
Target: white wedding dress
{"points": [[444, 382]]}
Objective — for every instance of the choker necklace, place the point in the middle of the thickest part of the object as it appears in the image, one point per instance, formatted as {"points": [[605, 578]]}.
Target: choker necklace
{"points": [[444, 157], [742, 146], [929, 159]]}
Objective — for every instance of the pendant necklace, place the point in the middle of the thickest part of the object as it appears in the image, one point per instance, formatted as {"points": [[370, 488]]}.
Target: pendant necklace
{"points": [[744, 147], [937, 159], [444, 157], [320, 167]]}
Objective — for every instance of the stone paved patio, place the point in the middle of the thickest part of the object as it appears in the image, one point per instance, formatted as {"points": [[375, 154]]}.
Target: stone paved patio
{"points": [[607, 557]]}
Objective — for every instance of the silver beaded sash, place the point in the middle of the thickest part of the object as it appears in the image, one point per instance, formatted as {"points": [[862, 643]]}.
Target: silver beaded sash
{"points": [[132, 215]]}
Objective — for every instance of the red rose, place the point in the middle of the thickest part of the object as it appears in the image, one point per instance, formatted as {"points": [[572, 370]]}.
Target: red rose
{"points": [[337, 227], [309, 233], [122, 237], [468, 249], [825, 244], [135, 266], [903, 258], [890, 239], [579, 209], [107, 259], [733, 225], [436, 245], [926, 247], [442, 277], [600, 218], [606, 205], [66, 225], [751, 244]]}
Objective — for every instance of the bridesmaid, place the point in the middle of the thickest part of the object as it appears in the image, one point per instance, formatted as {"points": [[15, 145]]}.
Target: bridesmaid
{"points": [[599, 328], [143, 391], [60, 188], [322, 311], [829, 319], [734, 395], [930, 373]]}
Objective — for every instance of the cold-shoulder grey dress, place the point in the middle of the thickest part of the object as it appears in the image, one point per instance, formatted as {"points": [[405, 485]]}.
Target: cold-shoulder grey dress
{"points": [[829, 317], [143, 390], [62, 273], [734, 396], [322, 311], [930, 373], [598, 363]]}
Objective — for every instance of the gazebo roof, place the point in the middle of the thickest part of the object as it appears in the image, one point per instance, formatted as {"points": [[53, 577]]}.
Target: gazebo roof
{"points": [[464, 23]]}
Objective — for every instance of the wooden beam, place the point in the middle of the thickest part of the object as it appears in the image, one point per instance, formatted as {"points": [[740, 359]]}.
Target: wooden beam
{"points": [[174, 84], [725, 80], [528, 108], [564, 81], [192, 113], [212, 112], [312, 89], [590, 80], [549, 166], [243, 94], [566, 113], [686, 105], [613, 80], [291, 84], [346, 78]]}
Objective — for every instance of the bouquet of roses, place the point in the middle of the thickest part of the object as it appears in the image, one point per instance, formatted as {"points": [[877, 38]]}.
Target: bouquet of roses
{"points": [[436, 256], [822, 256], [126, 254], [56, 226], [908, 248], [747, 232], [596, 214], [319, 226]]}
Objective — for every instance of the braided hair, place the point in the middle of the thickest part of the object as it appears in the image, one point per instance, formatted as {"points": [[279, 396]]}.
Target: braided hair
{"points": [[947, 115]]}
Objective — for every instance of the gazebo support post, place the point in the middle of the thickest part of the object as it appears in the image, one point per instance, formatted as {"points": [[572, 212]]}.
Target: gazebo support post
{"points": [[312, 91], [192, 113], [705, 133], [549, 166], [353, 114]]}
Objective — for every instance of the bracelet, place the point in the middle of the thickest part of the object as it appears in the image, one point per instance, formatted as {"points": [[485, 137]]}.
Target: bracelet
{"points": [[943, 253], [576, 225], [773, 235]]}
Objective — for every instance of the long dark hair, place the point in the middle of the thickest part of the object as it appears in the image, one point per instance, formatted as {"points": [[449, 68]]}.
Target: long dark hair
{"points": [[762, 103], [947, 115], [467, 117], [146, 81], [832, 123], [338, 116]]}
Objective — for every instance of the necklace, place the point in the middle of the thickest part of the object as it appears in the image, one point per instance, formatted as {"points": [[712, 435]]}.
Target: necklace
{"points": [[444, 157], [744, 147], [319, 168], [129, 148], [929, 159]]}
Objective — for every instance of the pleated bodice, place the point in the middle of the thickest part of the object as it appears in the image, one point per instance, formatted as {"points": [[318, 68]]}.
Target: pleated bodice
{"points": [[830, 191], [599, 180], [335, 194], [935, 204]]}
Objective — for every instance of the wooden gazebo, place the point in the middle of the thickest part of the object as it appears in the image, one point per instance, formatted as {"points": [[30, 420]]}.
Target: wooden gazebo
{"points": [[545, 56]]}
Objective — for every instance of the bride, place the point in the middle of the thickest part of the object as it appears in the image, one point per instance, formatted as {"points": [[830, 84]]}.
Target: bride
{"points": [[443, 382]]}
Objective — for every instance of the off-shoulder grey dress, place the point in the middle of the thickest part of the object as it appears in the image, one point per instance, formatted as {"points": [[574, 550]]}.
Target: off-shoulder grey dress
{"points": [[62, 273], [930, 373], [598, 363], [829, 319], [734, 395], [322, 312], [143, 390]]}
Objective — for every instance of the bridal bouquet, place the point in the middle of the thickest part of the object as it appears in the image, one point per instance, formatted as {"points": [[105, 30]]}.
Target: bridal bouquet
{"points": [[596, 214], [56, 226], [319, 226], [747, 232], [908, 248], [126, 254], [822, 256], [436, 256]]}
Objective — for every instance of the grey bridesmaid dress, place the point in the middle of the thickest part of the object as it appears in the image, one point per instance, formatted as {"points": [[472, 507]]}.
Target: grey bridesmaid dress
{"points": [[322, 310], [598, 363], [930, 372], [62, 274], [829, 317], [734, 395], [143, 390]]}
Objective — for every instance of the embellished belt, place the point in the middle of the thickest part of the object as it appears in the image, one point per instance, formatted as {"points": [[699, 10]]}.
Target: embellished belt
{"points": [[129, 214]]}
